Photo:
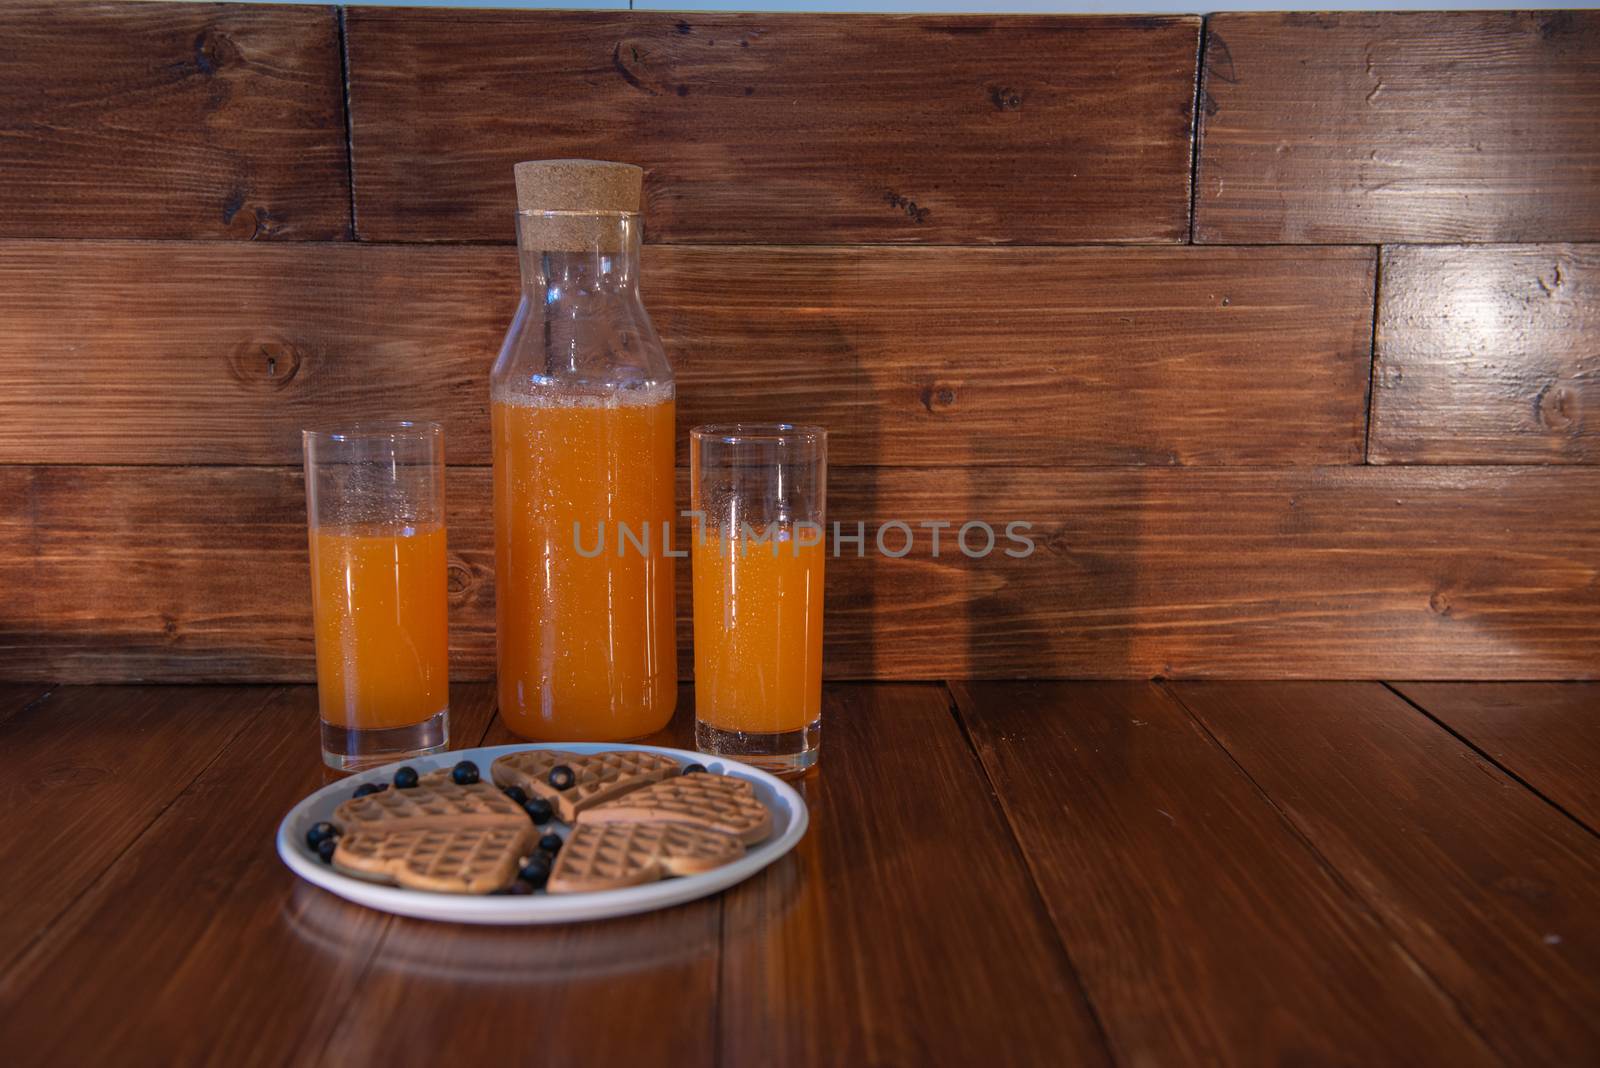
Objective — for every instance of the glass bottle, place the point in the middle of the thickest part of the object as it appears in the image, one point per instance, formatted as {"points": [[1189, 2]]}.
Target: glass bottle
{"points": [[582, 404]]}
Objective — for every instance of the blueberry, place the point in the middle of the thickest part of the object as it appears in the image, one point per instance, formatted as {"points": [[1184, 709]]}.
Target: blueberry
{"points": [[464, 773], [405, 778], [536, 872], [539, 810], [326, 847], [550, 843], [520, 888], [561, 777], [693, 769], [517, 794], [319, 832], [366, 788]]}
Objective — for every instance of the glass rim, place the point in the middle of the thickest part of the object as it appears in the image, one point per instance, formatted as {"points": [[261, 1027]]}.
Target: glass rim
{"points": [[739, 433], [568, 213], [375, 430]]}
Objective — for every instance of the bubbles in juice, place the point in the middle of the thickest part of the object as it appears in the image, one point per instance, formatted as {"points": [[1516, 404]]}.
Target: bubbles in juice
{"points": [[586, 641], [758, 632], [380, 599]]}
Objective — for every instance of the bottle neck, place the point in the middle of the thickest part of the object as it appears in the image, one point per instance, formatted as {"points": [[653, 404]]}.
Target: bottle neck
{"points": [[569, 258]]}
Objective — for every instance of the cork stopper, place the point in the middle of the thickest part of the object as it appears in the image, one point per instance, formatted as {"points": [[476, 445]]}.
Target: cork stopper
{"points": [[578, 185]]}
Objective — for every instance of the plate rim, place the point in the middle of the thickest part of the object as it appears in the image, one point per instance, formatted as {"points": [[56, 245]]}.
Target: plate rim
{"points": [[541, 908]]}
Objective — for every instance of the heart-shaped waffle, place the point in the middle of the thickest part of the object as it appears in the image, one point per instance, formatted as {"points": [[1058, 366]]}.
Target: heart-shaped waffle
{"points": [[606, 856], [711, 802], [430, 806], [528, 766], [597, 777], [468, 860]]}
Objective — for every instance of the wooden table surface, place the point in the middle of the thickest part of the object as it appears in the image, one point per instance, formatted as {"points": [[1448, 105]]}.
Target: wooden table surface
{"points": [[996, 873]]}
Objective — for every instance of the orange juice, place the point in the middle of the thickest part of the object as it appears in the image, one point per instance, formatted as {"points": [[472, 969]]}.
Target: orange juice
{"points": [[586, 643], [380, 600], [757, 633]]}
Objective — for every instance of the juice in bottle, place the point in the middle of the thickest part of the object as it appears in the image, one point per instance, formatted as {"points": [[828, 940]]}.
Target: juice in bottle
{"points": [[381, 610], [587, 646], [582, 405], [758, 633]]}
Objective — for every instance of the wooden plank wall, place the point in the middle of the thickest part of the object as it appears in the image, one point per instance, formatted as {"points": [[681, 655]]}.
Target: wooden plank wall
{"points": [[1304, 388]]}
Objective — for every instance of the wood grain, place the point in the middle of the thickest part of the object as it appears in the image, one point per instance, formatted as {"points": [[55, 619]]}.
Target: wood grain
{"points": [[1347, 883], [1459, 126], [1204, 930], [84, 782], [903, 929], [17, 697], [171, 121], [127, 572], [1545, 733], [781, 128], [637, 990], [1356, 572], [1488, 355], [213, 354], [197, 944], [1496, 893]]}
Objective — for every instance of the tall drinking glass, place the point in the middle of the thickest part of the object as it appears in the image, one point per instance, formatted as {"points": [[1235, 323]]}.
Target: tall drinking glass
{"points": [[759, 492], [379, 589]]}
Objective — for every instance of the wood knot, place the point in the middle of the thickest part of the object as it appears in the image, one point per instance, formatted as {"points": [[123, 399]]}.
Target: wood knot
{"points": [[1556, 407], [262, 221], [462, 580], [267, 224], [633, 61], [1063, 542], [267, 365], [1005, 98], [69, 775], [1561, 24], [1439, 604], [909, 207], [212, 50], [939, 397]]}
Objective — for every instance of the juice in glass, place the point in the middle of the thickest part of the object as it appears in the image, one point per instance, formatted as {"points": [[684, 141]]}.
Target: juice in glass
{"points": [[758, 492], [379, 590], [758, 633], [381, 609], [583, 489]]}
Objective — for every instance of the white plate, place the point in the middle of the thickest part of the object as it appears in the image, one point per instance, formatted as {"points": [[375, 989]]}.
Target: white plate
{"points": [[789, 818]]}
